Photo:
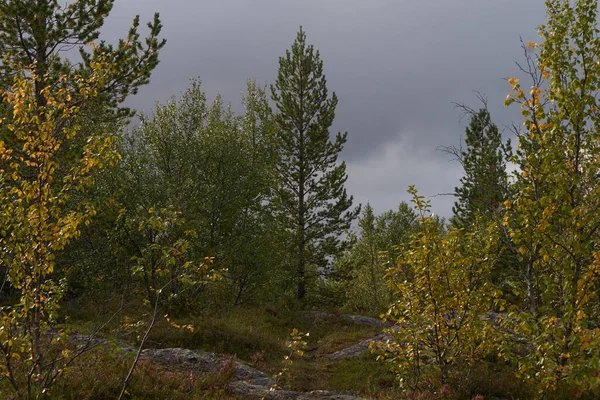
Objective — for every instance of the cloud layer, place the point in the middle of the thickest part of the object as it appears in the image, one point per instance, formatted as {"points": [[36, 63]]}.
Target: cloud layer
{"points": [[397, 66]]}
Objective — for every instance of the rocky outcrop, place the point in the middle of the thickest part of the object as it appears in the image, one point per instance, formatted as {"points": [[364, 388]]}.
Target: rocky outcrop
{"points": [[207, 362], [245, 381]]}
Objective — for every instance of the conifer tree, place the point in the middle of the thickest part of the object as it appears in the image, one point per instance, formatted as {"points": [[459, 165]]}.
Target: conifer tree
{"points": [[36, 32], [310, 196], [484, 186]]}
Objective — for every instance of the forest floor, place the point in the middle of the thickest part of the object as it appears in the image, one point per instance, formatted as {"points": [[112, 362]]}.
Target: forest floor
{"points": [[234, 353], [255, 337]]}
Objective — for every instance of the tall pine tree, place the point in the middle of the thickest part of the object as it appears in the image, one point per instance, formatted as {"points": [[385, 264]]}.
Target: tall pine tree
{"points": [[310, 196]]}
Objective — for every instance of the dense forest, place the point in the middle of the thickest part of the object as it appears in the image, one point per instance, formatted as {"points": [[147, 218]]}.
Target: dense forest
{"points": [[200, 252]]}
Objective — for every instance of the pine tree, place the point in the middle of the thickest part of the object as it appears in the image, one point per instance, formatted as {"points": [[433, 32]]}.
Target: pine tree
{"points": [[310, 196], [34, 33], [484, 186]]}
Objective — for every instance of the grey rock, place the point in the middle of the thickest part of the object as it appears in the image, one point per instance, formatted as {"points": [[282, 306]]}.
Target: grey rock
{"points": [[91, 341], [208, 362], [361, 320], [250, 389], [358, 348], [357, 319]]}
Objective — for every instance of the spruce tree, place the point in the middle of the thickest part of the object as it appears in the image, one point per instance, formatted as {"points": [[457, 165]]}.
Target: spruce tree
{"points": [[310, 196], [371, 252], [484, 186]]}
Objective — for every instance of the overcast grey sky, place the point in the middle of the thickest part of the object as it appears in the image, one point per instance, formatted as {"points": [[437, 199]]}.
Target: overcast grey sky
{"points": [[397, 66]]}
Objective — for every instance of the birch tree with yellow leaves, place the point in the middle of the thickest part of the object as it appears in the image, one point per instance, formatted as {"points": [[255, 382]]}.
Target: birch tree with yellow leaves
{"points": [[554, 219], [48, 159], [441, 292], [36, 216]]}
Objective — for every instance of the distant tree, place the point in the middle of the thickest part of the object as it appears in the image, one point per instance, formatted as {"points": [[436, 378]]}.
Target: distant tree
{"points": [[484, 185], [360, 272], [395, 228], [310, 197], [367, 229]]}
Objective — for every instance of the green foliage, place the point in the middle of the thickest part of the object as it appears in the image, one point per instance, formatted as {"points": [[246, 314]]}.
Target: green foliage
{"points": [[364, 374], [163, 263], [211, 171], [440, 295], [35, 32], [310, 198]]}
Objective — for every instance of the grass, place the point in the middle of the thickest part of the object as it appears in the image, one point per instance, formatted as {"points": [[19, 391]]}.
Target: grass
{"points": [[258, 337], [99, 374], [362, 374]]}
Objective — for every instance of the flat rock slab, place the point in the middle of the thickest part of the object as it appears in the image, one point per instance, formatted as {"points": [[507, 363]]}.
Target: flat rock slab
{"points": [[357, 319], [358, 348], [207, 362]]}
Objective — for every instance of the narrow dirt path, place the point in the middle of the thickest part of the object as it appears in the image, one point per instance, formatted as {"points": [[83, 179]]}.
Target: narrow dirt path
{"points": [[362, 346]]}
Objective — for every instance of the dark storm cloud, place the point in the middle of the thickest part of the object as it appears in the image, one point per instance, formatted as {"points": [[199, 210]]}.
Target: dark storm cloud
{"points": [[397, 67]]}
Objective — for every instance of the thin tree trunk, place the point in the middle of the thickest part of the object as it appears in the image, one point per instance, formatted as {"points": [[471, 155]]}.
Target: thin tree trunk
{"points": [[139, 351]]}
